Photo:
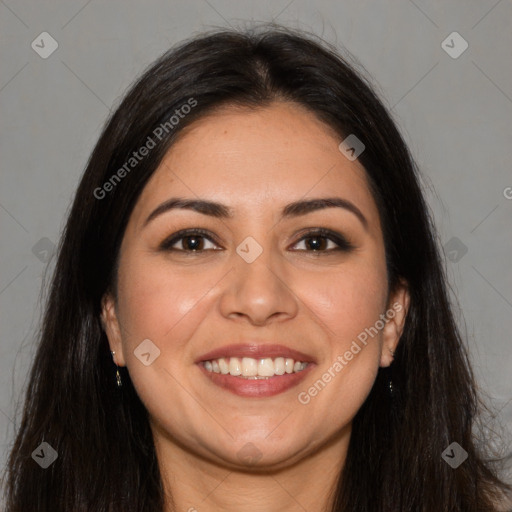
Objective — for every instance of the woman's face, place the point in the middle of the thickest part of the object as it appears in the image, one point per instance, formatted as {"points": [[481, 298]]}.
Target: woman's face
{"points": [[257, 288]]}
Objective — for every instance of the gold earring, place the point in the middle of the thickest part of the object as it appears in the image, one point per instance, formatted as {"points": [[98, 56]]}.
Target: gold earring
{"points": [[118, 375]]}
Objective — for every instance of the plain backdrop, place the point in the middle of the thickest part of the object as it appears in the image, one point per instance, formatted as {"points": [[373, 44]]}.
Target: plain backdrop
{"points": [[454, 110]]}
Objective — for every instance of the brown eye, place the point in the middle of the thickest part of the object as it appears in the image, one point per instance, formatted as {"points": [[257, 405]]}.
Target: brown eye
{"points": [[193, 240], [324, 240], [193, 243], [197, 240]]}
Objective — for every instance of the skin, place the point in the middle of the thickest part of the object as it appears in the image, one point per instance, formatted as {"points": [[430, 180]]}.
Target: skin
{"points": [[255, 162]]}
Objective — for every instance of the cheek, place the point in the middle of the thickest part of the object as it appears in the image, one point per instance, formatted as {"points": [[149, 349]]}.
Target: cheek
{"points": [[165, 305], [154, 298], [348, 304], [347, 301]]}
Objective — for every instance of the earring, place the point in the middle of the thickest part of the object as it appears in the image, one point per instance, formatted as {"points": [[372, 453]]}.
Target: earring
{"points": [[118, 375], [391, 389]]}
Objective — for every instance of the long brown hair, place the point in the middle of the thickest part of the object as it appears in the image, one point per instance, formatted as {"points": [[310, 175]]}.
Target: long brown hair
{"points": [[106, 458]]}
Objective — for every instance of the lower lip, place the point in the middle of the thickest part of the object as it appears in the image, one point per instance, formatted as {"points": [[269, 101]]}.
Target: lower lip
{"points": [[257, 388]]}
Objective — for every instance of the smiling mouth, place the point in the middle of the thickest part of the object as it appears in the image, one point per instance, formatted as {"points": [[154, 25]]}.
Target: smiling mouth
{"points": [[254, 369], [253, 384]]}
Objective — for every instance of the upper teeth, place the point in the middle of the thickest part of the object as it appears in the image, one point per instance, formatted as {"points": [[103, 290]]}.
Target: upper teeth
{"points": [[254, 368]]}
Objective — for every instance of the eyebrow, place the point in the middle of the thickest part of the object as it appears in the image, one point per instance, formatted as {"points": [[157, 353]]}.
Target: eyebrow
{"points": [[221, 211]]}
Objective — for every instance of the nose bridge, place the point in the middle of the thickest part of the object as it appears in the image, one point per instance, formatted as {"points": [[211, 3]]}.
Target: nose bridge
{"points": [[254, 261], [257, 286]]}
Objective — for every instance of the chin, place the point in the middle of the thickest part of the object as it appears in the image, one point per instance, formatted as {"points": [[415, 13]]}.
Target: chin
{"points": [[261, 455]]}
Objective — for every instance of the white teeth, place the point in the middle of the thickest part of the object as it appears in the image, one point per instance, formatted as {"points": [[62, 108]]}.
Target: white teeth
{"points": [[279, 366], [235, 367], [266, 367], [251, 368], [223, 365]]}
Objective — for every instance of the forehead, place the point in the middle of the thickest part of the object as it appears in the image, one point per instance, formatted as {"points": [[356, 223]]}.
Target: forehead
{"points": [[254, 159]]}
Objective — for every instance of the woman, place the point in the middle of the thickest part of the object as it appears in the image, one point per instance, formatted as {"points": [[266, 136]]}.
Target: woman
{"points": [[249, 309]]}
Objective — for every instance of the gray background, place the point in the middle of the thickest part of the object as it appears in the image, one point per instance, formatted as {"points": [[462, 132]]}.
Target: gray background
{"points": [[456, 114]]}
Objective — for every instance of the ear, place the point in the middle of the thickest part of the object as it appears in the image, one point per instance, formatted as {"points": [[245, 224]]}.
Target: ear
{"points": [[111, 327], [396, 313]]}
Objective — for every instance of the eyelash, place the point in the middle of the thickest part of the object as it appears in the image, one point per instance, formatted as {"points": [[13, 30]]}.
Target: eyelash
{"points": [[342, 243]]}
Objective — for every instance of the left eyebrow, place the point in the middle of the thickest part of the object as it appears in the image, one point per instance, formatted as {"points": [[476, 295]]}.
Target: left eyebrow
{"points": [[310, 205], [221, 211]]}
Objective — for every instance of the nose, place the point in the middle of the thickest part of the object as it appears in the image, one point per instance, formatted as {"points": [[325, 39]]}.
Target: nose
{"points": [[258, 292]]}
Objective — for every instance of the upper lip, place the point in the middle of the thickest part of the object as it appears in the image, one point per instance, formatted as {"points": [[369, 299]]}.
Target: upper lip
{"points": [[257, 351]]}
